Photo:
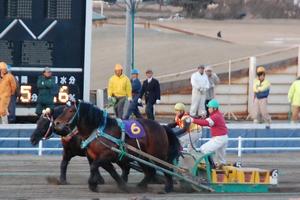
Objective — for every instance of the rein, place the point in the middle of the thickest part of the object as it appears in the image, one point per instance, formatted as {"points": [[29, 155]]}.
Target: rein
{"points": [[46, 136]]}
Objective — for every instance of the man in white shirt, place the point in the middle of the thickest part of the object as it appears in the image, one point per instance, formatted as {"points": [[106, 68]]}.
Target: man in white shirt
{"points": [[200, 85]]}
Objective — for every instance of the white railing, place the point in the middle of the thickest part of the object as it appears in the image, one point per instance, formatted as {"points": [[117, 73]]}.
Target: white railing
{"points": [[240, 149], [40, 149]]}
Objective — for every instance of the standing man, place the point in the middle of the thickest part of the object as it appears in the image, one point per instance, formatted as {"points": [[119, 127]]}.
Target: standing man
{"points": [[261, 88], [12, 103], [151, 90], [7, 89], [119, 90], [213, 80], [294, 99], [200, 85], [47, 89], [136, 89]]}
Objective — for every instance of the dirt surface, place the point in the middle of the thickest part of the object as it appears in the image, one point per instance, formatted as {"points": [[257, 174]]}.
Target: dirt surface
{"points": [[24, 177], [168, 51]]}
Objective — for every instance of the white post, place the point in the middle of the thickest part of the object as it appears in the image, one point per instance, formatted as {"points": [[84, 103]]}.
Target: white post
{"points": [[101, 6], [240, 148], [100, 98], [298, 71], [252, 69], [41, 148]]}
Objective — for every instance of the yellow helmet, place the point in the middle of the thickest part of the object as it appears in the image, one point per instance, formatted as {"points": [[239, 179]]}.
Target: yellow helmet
{"points": [[118, 67], [3, 65], [260, 69], [179, 106]]}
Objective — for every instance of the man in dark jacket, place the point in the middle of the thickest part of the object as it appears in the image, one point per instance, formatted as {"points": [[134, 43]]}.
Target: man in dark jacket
{"points": [[136, 89], [47, 89], [151, 90]]}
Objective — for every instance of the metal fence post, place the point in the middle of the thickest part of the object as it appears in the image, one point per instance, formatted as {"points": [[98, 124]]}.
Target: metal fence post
{"points": [[41, 148], [252, 69], [100, 98], [240, 147], [298, 71]]}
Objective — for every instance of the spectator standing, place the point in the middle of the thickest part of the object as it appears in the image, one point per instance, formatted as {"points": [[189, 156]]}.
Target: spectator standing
{"points": [[47, 89], [136, 89], [12, 103], [119, 90], [200, 85], [213, 80], [261, 88], [294, 99], [7, 89], [151, 90]]}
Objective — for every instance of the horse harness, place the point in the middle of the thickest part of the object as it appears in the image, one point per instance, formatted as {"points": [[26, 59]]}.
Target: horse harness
{"points": [[99, 132]]}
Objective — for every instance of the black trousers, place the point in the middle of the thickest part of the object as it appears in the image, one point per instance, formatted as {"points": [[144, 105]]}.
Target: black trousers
{"points": [[150, 111]]}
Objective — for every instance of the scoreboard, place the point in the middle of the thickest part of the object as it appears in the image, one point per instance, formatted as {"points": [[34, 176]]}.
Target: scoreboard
{"points": [[35, 34]]}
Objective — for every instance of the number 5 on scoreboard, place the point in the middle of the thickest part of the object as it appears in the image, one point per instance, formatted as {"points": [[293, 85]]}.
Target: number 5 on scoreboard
{"points": [[25, 91]]}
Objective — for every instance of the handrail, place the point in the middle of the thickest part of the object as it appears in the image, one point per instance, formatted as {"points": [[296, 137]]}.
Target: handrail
{"points": [[239, 147], [40, 147], [232, 61]]}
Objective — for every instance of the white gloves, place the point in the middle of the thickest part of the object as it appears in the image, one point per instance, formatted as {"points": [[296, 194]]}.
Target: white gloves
{"points": [[157, 101], [140, 101]]}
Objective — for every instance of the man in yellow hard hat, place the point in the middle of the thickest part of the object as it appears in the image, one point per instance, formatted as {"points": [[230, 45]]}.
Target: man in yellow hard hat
{"points": [[261, 88], [8, 87], [187, 132], [119, 90]]}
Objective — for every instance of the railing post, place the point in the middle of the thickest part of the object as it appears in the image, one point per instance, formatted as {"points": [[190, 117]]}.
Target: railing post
{"points": [[298, 71], [252, 69], [240, 148], [40, 147], [100, 98]]}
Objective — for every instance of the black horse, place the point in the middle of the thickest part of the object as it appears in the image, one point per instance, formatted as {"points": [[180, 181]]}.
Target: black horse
{"points": [[70, 143], [159, 141]]}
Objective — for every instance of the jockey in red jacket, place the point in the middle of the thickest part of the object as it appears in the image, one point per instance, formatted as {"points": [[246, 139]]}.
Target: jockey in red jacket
{"points": [[219, 132]]}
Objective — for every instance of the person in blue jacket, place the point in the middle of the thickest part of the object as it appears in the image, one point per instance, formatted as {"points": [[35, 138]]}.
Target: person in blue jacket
{"points": [[136, 89]]}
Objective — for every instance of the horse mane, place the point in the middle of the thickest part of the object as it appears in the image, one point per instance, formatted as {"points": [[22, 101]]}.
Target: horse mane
{"points": [[57, 111], [91, 115]]}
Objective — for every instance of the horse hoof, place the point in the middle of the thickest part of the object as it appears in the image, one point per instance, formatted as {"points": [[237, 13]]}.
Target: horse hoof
{"points": [[100, 181], [125, 178], [93, 188], [124, 188], [169, 189], [52, 180], [63, 182]]}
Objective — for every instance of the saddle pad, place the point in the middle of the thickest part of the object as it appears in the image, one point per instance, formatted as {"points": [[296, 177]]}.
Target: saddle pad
{"points": [[134, 129]]}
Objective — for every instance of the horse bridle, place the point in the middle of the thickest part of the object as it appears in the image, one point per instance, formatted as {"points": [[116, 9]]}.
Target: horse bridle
{"points": [[46, 116]]}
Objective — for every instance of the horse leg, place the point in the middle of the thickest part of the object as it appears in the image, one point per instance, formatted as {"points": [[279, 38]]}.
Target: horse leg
{"points": [[169, 185], [93, 179], [149, 174], [99, 178], [112, 171], [63, 168], [125, 170]]}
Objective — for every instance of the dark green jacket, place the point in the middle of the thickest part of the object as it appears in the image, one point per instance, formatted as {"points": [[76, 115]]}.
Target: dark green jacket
{"points": [[47, 89]]}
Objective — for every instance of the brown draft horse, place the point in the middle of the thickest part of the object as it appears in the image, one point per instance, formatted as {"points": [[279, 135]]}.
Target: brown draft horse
{"points": [[159, 141], [70, 144]]}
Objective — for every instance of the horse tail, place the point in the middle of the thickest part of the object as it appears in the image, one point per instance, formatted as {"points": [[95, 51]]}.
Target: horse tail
{"points": [[174, 145]]}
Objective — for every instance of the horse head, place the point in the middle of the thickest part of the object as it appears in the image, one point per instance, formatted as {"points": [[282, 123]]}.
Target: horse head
{"points": [[44, 124], [85, 116], [62, 124]]}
